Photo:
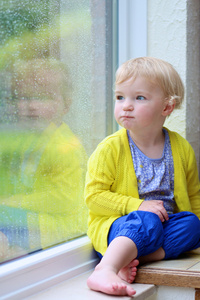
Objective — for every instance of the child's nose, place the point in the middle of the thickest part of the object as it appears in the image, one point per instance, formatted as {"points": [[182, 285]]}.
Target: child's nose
{"points": [[128, 104], [33, 104]]}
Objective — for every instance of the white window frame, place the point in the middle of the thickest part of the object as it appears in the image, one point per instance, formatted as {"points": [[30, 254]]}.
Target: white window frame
{"points": [[31, 274], [132, 29]]}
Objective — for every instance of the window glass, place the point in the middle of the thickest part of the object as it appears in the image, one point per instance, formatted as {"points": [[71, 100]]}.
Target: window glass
{"points": [[53, 112]]}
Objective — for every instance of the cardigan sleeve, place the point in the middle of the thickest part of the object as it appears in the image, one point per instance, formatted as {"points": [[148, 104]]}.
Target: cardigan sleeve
{"points": [[104, 192], [186, 177], [193, 182]]}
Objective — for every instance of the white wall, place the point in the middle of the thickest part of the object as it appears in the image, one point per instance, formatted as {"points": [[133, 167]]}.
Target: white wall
{"points": [[167, 40], [173, 35]]}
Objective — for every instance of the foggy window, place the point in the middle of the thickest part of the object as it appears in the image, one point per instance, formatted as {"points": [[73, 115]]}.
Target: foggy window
{"points": [[54, 66]]}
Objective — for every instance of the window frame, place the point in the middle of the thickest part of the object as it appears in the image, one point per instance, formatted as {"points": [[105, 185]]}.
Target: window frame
{"points": [[131, 41], [31, 274]]}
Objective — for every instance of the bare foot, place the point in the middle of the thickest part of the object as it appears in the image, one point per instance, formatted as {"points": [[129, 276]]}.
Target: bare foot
{"points": [[7, 252], [15, 252], [4, 246], [105, 280], [128, 273]]}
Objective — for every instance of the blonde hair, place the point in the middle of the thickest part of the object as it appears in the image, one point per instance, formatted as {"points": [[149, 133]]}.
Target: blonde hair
{"points": [[158, 71]]}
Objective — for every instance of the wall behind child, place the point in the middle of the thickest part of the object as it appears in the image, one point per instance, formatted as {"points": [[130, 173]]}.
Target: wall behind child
{"points": [[173, 35]]}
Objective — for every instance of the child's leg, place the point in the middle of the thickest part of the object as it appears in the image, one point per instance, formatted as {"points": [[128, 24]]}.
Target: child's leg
{"points": [[181, 234], [105, 277], [155, 256], [138, 234], [148, 239], [128, 273]]}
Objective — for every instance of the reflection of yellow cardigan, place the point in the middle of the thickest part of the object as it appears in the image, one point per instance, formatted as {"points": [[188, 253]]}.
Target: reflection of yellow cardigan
{"points": [[111, 184], [51, 179]]}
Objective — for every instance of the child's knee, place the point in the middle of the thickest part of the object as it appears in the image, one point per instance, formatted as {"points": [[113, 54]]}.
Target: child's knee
{"points": [[183, 232], [143, 228], [194, 220], [192, 223], [152, 238]]}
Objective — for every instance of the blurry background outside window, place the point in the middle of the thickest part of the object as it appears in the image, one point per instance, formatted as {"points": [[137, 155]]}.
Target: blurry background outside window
{"points": [[56, 70]]}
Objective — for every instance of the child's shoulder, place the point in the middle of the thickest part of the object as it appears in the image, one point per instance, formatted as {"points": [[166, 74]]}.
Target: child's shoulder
{"points": [[112, 143], [178, 140], [118, 136], [175, 135]]}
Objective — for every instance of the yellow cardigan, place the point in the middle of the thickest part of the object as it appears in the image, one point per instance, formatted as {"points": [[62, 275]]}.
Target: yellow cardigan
{"points": [[111, 185], [54, 203]]}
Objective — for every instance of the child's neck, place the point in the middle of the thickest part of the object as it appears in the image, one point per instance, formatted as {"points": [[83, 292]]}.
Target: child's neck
{"points": [[152, 146]]}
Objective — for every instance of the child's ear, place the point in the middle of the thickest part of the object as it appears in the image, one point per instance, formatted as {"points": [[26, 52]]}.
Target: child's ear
{"points": [[169, 107]]}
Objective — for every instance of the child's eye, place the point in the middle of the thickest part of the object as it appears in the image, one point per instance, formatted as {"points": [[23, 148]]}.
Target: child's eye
{"points": [[140, 97], [119, 97]]}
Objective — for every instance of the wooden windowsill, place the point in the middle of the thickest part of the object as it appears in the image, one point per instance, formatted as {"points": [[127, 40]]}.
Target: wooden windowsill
{"points": [[182, 272], [169, 277]]}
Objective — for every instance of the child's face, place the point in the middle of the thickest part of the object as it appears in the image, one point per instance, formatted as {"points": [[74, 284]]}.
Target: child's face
{"points": [[38, 109], [139, 105], [36, 104]]}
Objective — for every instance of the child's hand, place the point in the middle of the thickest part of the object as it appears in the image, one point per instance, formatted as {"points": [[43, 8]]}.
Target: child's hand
{"points": [[156, 207]]}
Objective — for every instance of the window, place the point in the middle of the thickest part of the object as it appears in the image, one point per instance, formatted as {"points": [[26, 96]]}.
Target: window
{"points": [[56, 70]]}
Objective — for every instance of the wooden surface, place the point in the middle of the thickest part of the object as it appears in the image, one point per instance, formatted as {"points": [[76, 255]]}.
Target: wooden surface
{"points": [[170, 277], [197, 294]]}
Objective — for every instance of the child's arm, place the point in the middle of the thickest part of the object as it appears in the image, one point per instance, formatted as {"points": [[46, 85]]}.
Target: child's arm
{"points": [[105, 191]]}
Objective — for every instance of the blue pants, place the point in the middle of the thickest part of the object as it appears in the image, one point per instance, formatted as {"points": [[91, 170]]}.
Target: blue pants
{"points": [[179, 234]]}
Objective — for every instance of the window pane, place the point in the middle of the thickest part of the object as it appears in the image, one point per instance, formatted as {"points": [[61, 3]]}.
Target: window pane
{"points": [[53, 112]]}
